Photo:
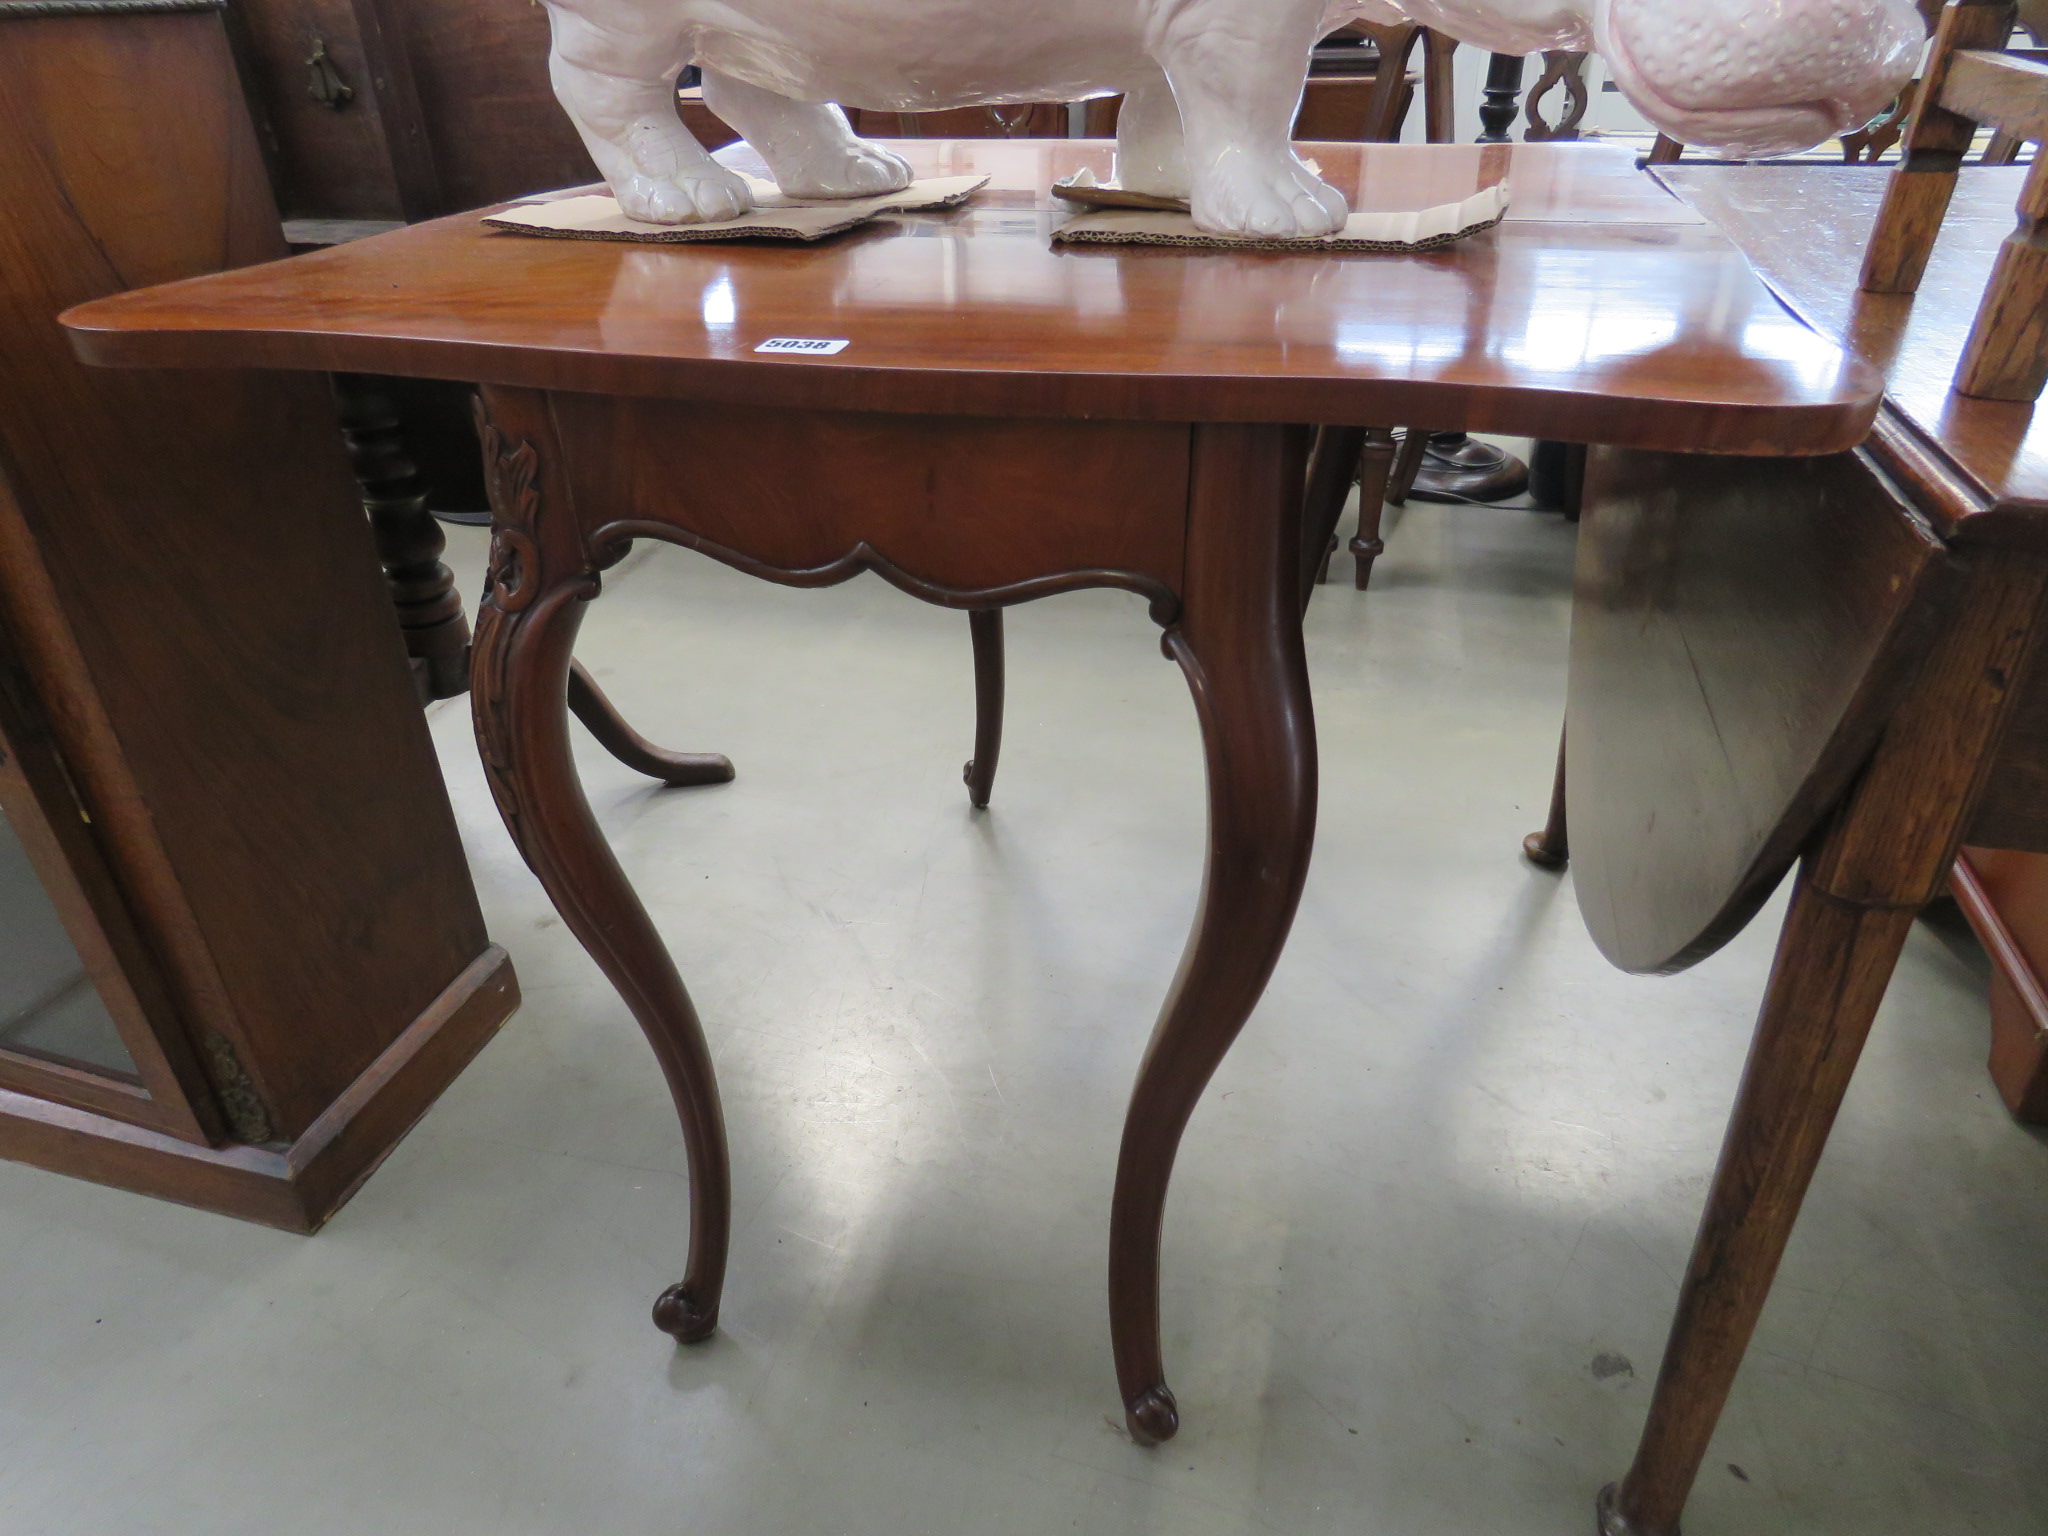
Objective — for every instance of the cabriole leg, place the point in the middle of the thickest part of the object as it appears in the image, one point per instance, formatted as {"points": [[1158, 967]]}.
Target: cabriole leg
{"points": [[985, 625], [600, 717], [542, 576], [1239, 642]]}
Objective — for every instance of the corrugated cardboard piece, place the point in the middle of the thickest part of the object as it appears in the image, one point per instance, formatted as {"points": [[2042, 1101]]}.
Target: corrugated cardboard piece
{"points": [[774, 216], [1115, 221]]}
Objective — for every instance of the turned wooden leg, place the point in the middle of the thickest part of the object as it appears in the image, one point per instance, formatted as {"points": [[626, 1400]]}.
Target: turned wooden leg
{"points": [[1332, 467], [409, 541], [1239, 642], [1407, 465], [1833, 964], [1551, 848], [601, 718], [1375, 466], [985, 626], [541, 578]]}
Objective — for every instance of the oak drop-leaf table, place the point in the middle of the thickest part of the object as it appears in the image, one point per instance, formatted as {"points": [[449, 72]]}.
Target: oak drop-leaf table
{"points": [[1008, 420], [1839, 663]]}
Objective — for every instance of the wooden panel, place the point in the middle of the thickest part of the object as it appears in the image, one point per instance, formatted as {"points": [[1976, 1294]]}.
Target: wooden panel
{"points": [[234, 698], [452, 106], [959, 505], [381, 27], [330, 161], [490, 112], [1739, 630], [1597, 325]]}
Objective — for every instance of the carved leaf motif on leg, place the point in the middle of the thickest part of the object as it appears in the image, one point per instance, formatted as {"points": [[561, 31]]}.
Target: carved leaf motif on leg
{"points": [[500, 631], [512, 477]]}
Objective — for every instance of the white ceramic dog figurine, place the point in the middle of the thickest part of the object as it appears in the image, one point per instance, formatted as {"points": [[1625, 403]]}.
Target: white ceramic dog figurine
{"points": [[1212, 85]]}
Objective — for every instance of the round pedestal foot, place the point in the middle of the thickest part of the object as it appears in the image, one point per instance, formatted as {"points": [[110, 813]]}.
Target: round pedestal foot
{"points": [[1152, 1416], [682, 1317], [1541, 854], [1612, 1522]]}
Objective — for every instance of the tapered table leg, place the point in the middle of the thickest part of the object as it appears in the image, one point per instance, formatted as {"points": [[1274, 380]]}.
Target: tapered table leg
{"points": [[1375, 466], [1834, 962], [985, 625], [1407, 465], [1332, 468], [1239, 642], [542, 576]]}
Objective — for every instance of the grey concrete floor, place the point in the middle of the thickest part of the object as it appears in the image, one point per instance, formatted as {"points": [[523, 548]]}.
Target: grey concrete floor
{"points": [[1426, 1232]]}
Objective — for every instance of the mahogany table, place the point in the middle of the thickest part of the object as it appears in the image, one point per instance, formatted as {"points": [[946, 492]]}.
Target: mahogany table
{"points": [[1008, 420], [1833, 660]]}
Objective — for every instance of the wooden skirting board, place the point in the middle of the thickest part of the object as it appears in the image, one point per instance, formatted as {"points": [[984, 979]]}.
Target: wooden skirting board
{"points": [[296, 1186]]}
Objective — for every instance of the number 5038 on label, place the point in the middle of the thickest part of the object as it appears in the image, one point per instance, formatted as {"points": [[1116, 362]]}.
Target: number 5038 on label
{"points": [[814, 346]]}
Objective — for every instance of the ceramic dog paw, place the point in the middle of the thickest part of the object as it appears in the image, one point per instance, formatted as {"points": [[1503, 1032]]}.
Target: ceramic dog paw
{"points": [[691, 196], [858, 170], [1279, 199]]}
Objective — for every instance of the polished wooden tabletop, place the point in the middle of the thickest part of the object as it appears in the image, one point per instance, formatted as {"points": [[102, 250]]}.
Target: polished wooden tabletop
{"points": [[1805, 227], [1602, 311]]}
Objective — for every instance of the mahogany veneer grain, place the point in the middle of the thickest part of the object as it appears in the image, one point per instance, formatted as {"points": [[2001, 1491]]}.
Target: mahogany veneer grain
{"points": [[1600, 312]]}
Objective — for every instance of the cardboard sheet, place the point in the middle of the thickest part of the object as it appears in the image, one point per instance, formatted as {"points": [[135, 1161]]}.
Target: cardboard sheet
{"points": [[774, 217], [1426, 229]]}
